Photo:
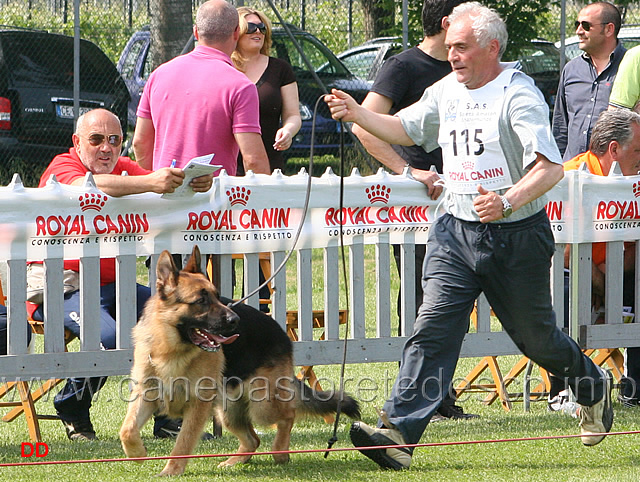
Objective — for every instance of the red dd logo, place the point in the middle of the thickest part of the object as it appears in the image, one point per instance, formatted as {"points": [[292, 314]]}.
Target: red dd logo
{"points": [[40, 449]]}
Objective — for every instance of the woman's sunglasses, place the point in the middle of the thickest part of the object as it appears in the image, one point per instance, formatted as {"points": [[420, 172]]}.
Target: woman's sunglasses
{"points": [[114, 140], [586, 26], [252, 27]]}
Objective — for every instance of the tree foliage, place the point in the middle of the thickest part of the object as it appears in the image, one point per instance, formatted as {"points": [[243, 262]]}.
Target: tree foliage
{"points": [[524, 19]]}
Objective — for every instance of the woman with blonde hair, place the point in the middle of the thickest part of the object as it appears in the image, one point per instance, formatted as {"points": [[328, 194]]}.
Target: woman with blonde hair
{"points": [[277, 88]]}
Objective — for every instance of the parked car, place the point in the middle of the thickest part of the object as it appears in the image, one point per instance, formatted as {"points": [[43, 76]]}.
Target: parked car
{"points": [[539, 59], [36, 91], [629, 35], [135, 69], [365, 60]]}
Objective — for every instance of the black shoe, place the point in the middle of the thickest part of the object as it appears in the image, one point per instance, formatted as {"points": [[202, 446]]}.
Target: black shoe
{"points": [[79, 430], [452, 412], [362, 436], [170, 428]]}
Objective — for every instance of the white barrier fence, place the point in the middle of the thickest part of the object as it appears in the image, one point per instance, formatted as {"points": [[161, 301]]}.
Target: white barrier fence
{"points": [[258, 213]]}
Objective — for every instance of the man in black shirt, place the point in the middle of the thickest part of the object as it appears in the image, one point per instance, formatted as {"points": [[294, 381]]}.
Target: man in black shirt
{"points": [[400, 83]]}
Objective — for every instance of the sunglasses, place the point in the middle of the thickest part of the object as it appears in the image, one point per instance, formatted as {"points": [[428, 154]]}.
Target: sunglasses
{"points": [[114, 140], [252, 27], [586, 26]]}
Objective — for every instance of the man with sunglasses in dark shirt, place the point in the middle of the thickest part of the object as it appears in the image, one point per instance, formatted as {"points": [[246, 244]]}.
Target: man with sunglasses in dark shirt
{"points": [[586, 81], [96, 149]]}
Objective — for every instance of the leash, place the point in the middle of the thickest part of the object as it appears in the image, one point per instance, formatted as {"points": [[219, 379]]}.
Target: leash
{"points": [[334, 437], [313, 136], [305, 209]]}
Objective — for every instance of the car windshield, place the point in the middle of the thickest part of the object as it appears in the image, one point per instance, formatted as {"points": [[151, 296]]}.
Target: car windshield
{"points": [[360, 63], [539, 58], [321, 59], [51, 63]]}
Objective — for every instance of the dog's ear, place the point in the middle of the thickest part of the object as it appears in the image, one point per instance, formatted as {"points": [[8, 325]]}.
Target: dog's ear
{"points": [[193, 265], [166, 273]]}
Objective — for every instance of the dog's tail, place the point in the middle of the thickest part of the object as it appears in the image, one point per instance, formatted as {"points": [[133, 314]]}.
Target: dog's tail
{"points": [[319, 403]]}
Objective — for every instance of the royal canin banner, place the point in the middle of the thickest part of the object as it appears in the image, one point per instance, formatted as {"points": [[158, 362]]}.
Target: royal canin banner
{"points": [[263, 213], [239, 214]]}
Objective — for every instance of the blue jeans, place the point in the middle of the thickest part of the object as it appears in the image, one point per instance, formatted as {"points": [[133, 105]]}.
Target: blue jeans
{"points": [[3, 330], [73, 402], [510, 263]]}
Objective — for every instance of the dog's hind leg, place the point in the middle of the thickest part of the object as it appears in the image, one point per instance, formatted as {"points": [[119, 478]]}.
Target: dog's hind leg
{"points": [[138, 413], [235, 417], [193, 421], [282, 440]]}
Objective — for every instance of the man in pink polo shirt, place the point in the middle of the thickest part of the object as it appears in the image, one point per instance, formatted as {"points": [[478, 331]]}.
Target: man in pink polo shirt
{"points": [[199, 104]]}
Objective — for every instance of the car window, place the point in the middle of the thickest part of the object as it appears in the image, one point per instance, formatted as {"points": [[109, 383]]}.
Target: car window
{"points": [[50, 63], [129, 64], [359, 63], [321, 59], [539, 58], [146, 69], [572, 51]]}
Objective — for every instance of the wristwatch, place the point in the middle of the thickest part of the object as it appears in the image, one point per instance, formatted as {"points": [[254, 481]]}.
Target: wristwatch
{"points": [[507, 209]]}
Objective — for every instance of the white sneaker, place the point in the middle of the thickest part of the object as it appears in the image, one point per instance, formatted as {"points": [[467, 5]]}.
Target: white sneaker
{"points": [[596, 421]]}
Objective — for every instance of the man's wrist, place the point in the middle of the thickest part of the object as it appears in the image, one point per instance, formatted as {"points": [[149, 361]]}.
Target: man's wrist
{"points": [[507, 208]]}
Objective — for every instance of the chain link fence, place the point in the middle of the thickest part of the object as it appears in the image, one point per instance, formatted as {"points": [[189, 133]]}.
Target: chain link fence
{"points": [[37, 72]]}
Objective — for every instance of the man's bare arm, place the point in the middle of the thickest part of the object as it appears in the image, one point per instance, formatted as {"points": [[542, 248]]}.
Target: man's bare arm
{"points": [[378, 148], [253, 153], [383, 151], [384, 126], [540, 178], [143, 142], [161, 181]]}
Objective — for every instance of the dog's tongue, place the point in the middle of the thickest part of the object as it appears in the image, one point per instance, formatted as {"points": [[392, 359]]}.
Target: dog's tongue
{"points": [[208, 341], [224, 340]]}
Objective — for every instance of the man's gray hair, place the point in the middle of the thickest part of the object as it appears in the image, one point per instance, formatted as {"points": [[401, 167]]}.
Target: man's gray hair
{"points": [[216, 21], [613, 125], [487, 24]]}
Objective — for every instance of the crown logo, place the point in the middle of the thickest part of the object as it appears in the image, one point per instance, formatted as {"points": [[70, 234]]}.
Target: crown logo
{"points": [[238, 195], [378, 192], [92, 201], [468, 164], [636, 189]]}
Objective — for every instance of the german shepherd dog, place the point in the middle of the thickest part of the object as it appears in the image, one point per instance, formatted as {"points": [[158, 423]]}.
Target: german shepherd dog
{"points": [[194, 354]]}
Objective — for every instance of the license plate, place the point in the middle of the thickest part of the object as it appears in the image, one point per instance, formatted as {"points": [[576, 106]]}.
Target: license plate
{"points": [[66, 111]]}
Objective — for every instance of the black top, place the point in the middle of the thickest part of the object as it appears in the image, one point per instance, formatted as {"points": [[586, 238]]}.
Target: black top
{"points": [[403, 78], [277, 74]]}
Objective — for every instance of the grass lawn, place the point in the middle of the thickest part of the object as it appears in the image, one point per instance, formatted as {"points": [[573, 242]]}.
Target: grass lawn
{"points": [[617, 458]]}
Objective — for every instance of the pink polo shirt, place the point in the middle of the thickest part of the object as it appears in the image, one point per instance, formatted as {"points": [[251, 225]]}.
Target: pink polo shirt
{"points": [[197, 102]]}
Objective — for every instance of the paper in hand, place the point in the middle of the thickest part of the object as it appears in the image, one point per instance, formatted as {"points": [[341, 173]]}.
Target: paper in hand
{"points": [[196, 167]]}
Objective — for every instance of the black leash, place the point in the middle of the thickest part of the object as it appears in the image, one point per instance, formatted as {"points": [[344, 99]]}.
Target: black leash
{"points": [[334, 437]]}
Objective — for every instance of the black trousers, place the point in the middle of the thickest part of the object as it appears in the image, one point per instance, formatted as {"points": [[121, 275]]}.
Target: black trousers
{"points": [[510, 263]]}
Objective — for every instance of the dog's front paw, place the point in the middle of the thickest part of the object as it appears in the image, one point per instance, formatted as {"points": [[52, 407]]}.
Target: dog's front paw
{"points": [[236, 459], [281, 458], [173, 467], [135, 450]]}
